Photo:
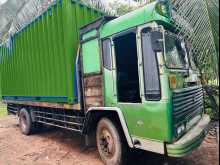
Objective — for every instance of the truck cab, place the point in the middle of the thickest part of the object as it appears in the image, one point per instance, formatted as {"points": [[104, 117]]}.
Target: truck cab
{"points": [[139, 67]]}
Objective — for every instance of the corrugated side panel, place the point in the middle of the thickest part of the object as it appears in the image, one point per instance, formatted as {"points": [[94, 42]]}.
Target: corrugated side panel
{"points": [[39, 62]]}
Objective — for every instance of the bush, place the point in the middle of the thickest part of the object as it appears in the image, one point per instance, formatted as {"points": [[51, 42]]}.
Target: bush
{"points": [[212, 101]]}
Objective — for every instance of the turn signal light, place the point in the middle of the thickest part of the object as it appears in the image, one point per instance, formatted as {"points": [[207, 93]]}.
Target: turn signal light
{"points": [[173, 81]]}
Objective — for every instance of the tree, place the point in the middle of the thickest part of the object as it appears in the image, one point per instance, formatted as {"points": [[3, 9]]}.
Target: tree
{"points": [[120, 8], [198, 22]]}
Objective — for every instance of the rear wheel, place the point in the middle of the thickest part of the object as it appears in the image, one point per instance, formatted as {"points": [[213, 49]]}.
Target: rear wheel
{"points": [[110, 143], [25, 122]]}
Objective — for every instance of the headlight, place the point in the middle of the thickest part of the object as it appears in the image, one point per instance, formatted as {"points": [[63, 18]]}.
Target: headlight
{"points": [[181, 129]]}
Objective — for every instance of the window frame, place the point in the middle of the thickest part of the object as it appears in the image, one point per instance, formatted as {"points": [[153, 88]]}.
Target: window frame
{"points": [[146, 95], [109, 65], [115, 67]]}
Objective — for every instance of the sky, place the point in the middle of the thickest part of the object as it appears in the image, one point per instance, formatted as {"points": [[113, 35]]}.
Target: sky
{"points": [[2, 1]]}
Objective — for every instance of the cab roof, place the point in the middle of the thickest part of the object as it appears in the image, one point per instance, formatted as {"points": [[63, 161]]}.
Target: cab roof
{"points": [[140, 16]]}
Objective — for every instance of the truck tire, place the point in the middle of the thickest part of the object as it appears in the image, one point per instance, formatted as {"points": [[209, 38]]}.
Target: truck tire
{"points": [[110, 143], [25, 122]]}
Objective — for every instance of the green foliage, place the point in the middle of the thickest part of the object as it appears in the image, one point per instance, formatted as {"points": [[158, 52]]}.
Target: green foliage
{"points": [[198, 22], [97, 4], [121, 9], [212, 101], [112, 8], [213, 11]]}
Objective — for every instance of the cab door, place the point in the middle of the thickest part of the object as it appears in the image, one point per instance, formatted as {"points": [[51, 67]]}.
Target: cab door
{"points": [[127, 82]]}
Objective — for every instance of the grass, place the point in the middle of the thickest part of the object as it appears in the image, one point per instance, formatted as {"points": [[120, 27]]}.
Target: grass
{"points": [[3, 110]]}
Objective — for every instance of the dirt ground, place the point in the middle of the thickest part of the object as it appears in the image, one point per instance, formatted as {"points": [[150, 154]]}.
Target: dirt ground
{"points": [[58, 147]]}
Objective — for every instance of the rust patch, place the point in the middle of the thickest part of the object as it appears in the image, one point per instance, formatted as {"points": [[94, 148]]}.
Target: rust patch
{"points": [[93, 91], [93, 81]]}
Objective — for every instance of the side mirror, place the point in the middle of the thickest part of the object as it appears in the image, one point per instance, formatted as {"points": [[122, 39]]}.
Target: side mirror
{"points": [[157, 41]]}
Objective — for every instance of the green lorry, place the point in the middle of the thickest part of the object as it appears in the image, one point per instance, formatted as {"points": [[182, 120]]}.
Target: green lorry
{"points": [[125, 83]]}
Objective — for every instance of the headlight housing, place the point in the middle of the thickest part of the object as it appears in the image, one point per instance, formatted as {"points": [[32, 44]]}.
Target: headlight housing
{"points": [[180, 130], [163, 8]]}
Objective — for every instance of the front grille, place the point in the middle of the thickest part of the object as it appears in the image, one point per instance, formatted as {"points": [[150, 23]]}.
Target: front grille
{"points": [[187, 103]]}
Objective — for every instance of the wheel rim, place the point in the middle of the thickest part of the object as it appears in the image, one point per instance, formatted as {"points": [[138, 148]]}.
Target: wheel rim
{"points": [[23, 122], [106, 143]]}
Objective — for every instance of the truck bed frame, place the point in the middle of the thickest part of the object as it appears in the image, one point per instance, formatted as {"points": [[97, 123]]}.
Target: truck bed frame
{"points": [[65, 116]]}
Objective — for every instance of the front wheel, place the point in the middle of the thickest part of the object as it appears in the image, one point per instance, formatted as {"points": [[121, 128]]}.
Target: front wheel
{"points": [[110, 143]]}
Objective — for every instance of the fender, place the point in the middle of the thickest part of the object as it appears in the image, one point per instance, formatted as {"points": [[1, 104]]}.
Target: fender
{"points": [[98, 110]]}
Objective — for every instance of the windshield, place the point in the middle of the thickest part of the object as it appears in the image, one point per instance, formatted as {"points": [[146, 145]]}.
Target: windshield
{"points": [[175, 53]]}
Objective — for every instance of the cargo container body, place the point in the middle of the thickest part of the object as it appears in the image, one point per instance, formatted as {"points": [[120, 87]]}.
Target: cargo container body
{"points": [[129, 82], [41, 57]]}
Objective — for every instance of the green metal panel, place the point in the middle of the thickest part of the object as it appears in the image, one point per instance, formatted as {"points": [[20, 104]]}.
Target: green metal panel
{"points": [[91, 57], [90, 34], [40, 64]]}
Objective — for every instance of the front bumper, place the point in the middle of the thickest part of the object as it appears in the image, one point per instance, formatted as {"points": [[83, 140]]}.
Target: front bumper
{"points": [[191, 140]]}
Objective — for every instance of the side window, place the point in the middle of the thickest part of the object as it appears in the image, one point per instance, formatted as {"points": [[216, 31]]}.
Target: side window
{"points": [[106, 49]]}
